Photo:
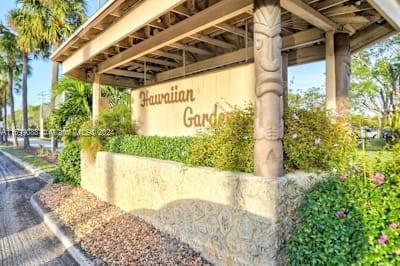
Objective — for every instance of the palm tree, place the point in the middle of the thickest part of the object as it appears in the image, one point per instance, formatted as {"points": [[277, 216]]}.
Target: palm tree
{"points": [[3, 109], [24, 24], [78, 96], [54, 21], [9, 60]]}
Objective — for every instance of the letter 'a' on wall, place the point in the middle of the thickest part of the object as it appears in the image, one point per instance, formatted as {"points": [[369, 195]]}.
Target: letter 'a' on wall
{"points": [[184, 106]]}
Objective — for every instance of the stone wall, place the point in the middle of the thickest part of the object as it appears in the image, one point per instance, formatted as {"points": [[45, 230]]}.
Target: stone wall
{"points": [[231, 218]]}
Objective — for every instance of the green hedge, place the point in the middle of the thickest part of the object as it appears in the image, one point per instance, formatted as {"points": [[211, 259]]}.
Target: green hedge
{"points": [[348, 221], [313, 141], [69, 164], [164, 148]]}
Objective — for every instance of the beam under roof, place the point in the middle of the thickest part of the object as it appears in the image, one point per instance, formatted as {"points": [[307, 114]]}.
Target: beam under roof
{"points": [[144, 13], [309, 14], [105, 79], [203, 20], [295, 41], [131, 74], [371, 35]]}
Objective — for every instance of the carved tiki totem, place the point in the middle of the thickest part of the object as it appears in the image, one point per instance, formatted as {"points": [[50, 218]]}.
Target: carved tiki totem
{"points": [[268, 131]]}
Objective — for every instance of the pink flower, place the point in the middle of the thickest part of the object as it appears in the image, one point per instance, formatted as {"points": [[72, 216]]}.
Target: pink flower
{"points": [[378, 179], [341, 214], [382, 239], [392, 225], [343, 177]]}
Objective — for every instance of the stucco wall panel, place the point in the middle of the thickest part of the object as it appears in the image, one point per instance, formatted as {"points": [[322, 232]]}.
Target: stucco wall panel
{"points": [[227, 87]]}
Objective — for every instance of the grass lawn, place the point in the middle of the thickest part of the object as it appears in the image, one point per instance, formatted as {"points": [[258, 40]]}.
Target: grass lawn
{"points": [[34, 160], [372, 157]]}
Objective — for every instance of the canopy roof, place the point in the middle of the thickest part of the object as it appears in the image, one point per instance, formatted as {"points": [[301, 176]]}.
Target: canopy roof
{"points": [[137, 42]]}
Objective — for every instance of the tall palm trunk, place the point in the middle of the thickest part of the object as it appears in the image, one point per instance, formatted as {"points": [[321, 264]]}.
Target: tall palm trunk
{"points": [[12, 108], [5, 118], [54, 82], [1, 127], [25, 99]]}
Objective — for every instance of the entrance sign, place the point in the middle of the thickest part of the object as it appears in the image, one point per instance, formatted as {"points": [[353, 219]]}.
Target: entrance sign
{"points": [[184, 106]]}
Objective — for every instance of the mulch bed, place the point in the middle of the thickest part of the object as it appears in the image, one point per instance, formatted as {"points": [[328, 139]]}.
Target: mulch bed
{"points": [[112, 236]]}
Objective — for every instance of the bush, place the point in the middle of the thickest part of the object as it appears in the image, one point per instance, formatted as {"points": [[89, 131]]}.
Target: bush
{"points": [[164, 148], [228, 143], [391, 166], [69, 164], [345, 221], [314, 141], [112, 122], [72, 127]]}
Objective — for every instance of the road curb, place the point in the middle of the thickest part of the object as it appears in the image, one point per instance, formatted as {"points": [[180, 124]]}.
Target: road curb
{"points": [[28, 167], [54, 226], [48, 217]]}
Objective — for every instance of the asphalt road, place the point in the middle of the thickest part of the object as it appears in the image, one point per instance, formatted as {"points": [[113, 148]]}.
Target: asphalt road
{"points": [[24, 239], [36, 143]]}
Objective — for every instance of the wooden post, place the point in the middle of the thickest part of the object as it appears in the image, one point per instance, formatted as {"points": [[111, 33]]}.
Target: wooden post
{"points": [[285, 65], [330, 71], [343, 72], [268, 124], [96, 97]]}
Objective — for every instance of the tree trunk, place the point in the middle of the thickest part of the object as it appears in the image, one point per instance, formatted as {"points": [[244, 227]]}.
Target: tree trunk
{"points": [[5, 118], [382, 120], [54, 82], [25, 99], [12, 107]]}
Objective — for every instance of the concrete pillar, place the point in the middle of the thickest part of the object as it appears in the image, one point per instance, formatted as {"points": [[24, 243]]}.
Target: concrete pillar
{"points": [[330, 71], [268, 124], [343, 72], [285, 82], [96, 97]]}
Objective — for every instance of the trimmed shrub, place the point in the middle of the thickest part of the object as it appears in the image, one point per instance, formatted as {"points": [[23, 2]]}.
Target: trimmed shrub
{"points": [[227, 144], [164, 148], [69, 164], [315, 141], [348, 221]]}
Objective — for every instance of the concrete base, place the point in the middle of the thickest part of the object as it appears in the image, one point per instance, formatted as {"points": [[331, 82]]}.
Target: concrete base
{"points": [[231, 218]]}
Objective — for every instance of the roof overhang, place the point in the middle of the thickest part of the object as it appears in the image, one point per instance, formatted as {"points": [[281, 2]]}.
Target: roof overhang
{"points": [[135, 42], [389, 9]]}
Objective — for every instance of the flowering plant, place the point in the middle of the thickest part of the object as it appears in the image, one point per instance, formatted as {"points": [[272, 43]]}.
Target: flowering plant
{"points": [[346, 221]]}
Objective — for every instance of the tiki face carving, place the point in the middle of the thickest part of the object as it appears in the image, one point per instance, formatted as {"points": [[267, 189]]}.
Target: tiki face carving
{"points": [[268, 126], [268, 46]]}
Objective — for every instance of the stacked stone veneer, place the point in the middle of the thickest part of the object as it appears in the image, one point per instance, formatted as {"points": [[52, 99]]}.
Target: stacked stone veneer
{"points": [[231, 218]]}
